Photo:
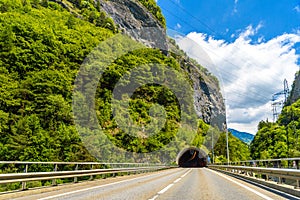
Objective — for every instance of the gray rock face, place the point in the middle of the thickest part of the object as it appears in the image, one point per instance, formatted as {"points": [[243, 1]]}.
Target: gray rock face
{"points": [[136, 21], [295, 93], [208, 100]]}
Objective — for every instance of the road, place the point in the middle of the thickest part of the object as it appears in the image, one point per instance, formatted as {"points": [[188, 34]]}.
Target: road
{"points": [[179, 183]]}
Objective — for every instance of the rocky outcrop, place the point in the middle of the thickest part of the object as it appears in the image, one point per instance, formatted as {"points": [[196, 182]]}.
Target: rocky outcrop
{"points": [[135, 20], [208, 101], [295, 93]]}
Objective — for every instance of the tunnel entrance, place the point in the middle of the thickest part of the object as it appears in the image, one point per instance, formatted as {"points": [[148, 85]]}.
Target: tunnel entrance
{"points": [[192, 157]]}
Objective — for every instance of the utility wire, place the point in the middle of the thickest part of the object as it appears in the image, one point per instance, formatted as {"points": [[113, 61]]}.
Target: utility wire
{"points": [[231, 74]]}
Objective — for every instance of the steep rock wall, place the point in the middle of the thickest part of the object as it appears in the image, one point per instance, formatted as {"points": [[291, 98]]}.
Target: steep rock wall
{"points": [[137, 21], [295, 93], [208, 101]]}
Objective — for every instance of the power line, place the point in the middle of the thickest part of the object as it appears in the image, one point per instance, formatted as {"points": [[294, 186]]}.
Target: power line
{"points": [[226, 72], [203, 24], [211, 30]]}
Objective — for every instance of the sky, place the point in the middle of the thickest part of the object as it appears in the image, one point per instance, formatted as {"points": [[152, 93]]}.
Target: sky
{"points": [[252, 47]]}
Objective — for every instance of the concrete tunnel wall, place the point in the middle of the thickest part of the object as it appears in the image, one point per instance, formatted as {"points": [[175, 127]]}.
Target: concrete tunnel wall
{"points": [[192, 157]]}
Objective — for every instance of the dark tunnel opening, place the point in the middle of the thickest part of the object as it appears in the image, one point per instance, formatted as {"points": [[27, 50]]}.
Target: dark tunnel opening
{"points": [[192, 157]]}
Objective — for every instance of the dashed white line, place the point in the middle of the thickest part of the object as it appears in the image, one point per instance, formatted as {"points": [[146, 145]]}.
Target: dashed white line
{"points": [[153, 198], [186, 173], [91, 188], [170, 185], [165, 189], [177, 180], [244, 186]]}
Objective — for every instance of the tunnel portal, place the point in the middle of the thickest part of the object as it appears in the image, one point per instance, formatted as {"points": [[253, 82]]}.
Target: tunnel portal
{"points": [[192, 157]]}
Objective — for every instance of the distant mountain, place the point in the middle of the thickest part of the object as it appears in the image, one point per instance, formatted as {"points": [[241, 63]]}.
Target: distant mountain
{"points": [[243, 136]]}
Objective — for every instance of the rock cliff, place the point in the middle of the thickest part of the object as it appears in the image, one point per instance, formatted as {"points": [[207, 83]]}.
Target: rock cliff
{"points": [[208, 100], [133, 18], [295, 92], [138, 22]]}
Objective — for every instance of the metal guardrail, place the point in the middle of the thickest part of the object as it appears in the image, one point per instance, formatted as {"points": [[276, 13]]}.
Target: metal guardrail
{"points": [[277, 163], [107, 168], [293, 174], [77, 163]]}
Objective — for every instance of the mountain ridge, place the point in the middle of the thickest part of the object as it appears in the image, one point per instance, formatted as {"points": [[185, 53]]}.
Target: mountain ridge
{"points": [[243, 136]]}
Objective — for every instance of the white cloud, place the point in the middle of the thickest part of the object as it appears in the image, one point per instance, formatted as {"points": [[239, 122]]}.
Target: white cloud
{"points": [[235, 6], [297, 8], [250, 73], [250, 31], [178, 26]]}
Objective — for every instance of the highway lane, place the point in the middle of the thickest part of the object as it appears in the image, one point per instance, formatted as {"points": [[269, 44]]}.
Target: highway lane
{"points": [[207, 184], [180, 183]]}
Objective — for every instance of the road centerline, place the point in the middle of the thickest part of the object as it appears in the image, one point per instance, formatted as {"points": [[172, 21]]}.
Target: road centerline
{"points": [[92, 188], [170, 185]]}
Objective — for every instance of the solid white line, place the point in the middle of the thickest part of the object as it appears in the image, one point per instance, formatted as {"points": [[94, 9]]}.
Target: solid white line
{"points": [[244, 186], [272, 189], [91, 188]]}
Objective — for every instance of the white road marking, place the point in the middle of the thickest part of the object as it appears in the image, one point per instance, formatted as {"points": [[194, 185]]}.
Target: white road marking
{"points": [[165, 189], [153, 198], [271, 189], [170, 185], [91, 188], [177, 180], [186, 173], [244, 186]]}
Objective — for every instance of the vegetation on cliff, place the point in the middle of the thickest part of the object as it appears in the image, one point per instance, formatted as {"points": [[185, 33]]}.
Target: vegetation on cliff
{"points": [[155, 10]]}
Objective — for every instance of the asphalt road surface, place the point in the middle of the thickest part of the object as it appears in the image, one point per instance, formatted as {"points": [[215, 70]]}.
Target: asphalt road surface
{"points": [[179, 183]]}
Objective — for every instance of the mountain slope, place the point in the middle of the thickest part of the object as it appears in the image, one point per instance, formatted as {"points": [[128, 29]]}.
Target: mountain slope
{"points": [[42, 48], [243, 136]]}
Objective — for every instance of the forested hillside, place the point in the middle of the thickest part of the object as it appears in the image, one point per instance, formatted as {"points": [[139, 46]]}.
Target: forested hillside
{"points": [[238, 150], [280, 139], [42, 46]]}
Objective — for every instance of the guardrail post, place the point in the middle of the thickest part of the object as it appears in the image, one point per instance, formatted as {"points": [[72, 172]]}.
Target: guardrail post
{"points": [[91, 177], [278, 164], [54, 180], [279, 180], [298, 184], [75, 178], [24, 183], [267, 177]]}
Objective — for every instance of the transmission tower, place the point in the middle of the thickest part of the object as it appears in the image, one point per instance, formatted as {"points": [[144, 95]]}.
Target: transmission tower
{"points": [[278, 103], [286, 90]]}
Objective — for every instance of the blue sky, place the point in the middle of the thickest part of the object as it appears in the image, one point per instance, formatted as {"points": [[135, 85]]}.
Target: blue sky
{"points": [[223, 18], [253, 45]]}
